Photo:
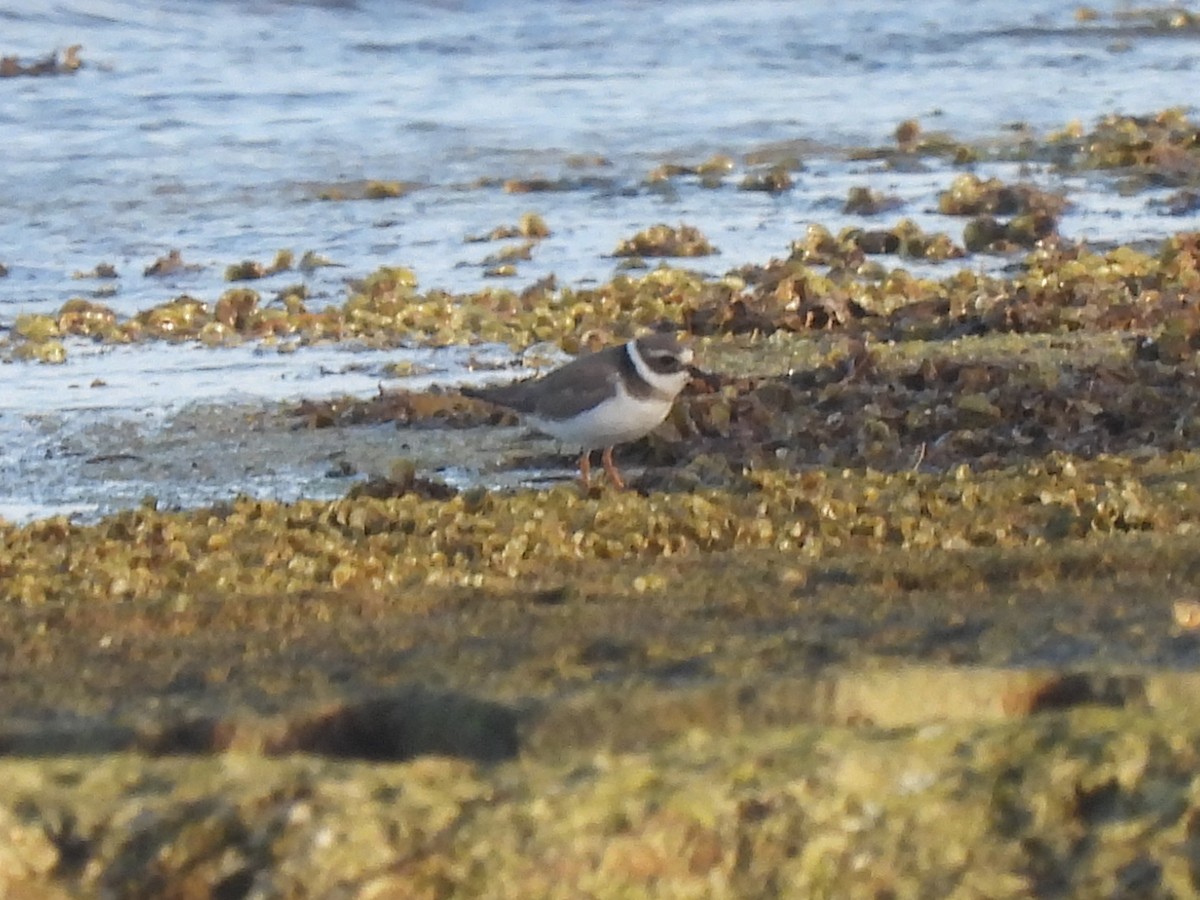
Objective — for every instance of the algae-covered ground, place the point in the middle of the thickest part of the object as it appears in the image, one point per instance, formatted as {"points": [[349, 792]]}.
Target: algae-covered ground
{"points": [[904, 600]]}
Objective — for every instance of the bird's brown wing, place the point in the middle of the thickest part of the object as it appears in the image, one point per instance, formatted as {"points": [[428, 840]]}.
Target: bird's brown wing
{"points": [[580, 384], [511, 396]]}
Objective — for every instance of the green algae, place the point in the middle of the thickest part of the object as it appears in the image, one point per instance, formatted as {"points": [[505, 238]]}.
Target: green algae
{"points": [[1059, 289], [262, 547]]}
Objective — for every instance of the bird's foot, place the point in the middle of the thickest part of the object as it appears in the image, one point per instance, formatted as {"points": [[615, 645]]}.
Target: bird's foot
{"points": [[611, 468]]}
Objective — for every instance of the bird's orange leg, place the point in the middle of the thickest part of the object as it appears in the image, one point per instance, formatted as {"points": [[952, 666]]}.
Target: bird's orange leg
{"points": [[585, 469], [611, 468]]}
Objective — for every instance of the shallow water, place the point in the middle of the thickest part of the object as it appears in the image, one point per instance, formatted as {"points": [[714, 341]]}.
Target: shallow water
{"points": [[211, 127]]}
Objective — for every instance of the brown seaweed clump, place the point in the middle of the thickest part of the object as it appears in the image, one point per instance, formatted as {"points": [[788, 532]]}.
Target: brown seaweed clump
{"points": [[537, 185], [249, 270], [372, 189], [774, 180], [710, 172], [664, 240], [530, 226], [1060, 288], [170, 264], [1154, 150], [913, 141], [863, 201], [52, 64], [1033, 213], [851, 245], [87, 319], [970, 195], [502, 263], [1011, 401], [1057, 287], [510, 253], [987, 234], [101, 270]]}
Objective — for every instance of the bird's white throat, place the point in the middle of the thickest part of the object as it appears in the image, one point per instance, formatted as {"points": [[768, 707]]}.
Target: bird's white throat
{"points": [[665, 384]]}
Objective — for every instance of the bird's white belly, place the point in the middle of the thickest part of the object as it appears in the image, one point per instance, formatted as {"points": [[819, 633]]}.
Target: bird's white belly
{"points": [[615, 421]]}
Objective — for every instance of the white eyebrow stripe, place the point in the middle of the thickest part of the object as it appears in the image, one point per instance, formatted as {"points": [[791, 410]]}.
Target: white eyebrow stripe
{"points": [[663, 383]]}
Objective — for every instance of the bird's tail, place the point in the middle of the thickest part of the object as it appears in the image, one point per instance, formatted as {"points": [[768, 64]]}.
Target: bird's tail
{"points": [[507, 395]]}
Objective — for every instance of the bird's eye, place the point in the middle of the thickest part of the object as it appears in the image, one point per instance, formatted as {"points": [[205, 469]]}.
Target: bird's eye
{"points": [[668, 361]]}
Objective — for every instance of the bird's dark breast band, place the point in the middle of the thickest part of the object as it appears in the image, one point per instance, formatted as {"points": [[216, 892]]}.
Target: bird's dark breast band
{"points": [[635, 384]]}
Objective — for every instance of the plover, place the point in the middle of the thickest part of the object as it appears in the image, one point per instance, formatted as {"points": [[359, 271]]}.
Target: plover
{"points": [[597, 401]]}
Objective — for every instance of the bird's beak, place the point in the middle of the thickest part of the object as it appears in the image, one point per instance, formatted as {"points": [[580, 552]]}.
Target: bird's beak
{"points": [[710, 380]]}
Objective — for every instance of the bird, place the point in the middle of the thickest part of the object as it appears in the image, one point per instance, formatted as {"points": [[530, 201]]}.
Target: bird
{"points": [[597, 401]]}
